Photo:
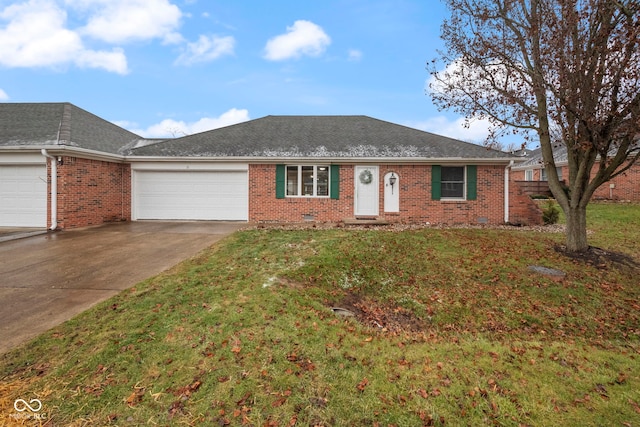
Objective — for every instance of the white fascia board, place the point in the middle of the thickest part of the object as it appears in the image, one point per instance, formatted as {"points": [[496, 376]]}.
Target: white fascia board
{"points": [[385, 160], [187, 165], [22, 157], [65, 150], [337, 160]]}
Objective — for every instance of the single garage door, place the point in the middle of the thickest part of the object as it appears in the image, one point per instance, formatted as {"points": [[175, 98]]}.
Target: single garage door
{"points": [[192, 195], [23, 195]]}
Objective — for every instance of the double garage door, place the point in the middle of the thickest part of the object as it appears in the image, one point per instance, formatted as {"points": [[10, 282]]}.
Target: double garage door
{"points": [[191, 195], [23, 195]]}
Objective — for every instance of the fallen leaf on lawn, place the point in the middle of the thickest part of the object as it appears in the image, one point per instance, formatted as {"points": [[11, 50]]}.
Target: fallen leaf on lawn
{"points": [[279, 402], [135, 397], [174, 408], [363, 384], [244, 399]]}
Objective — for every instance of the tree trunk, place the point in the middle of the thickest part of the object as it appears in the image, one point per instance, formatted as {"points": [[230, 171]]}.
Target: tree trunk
{"points": [[577, 229]]}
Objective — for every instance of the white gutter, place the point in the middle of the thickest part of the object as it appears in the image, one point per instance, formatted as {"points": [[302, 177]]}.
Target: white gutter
{"points": [[54, 189], [506, 191]]}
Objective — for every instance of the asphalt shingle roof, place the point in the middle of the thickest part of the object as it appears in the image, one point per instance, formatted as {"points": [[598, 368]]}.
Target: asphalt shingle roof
{"points": [[318, 137], [37, 124]]}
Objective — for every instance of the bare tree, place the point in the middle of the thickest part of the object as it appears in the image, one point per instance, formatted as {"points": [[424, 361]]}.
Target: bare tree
{"points": [[567, 69]]}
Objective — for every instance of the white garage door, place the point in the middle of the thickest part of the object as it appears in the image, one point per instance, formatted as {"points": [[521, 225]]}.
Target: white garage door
{"points": [[193, 195], [23, 196]]}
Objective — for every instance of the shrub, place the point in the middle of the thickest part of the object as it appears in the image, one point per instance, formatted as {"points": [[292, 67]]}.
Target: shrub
{"points": [[550, 213]]}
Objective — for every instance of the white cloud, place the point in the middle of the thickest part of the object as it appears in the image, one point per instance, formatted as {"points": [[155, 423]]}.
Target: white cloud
{"points": [[121, 21], [476, 132], [114, 61], [35, 36], [3, 95], [355, 55], [170, 128], [303, 38], [206, 49]]}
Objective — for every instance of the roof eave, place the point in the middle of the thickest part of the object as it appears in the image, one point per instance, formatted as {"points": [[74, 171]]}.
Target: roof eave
{"points": [[336, 160], [65, 150]]}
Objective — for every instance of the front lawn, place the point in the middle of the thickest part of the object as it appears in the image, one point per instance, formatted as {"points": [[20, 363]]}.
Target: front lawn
{"points": [[443, 327]]}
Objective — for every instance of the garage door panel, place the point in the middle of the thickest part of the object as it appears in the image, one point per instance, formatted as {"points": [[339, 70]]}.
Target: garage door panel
{"points": [[202, 195], [23, 196]]}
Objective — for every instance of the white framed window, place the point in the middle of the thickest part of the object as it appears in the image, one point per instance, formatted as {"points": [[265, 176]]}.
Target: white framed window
{"points": [[307, 180], [528, 175], [543, 174], [452, 184]]}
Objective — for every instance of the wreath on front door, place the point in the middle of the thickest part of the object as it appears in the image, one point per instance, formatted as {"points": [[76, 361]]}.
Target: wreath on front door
{"points": [[366, 176]]}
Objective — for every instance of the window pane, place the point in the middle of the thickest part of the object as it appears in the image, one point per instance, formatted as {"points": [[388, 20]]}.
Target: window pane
{"points": [[452, 189], [292, 180], [453, 174], [307, 180], [452, 182], [323, 181]]}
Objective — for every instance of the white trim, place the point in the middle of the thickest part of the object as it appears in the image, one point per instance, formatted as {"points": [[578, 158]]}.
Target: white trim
{"points": [[506, 192], [65, 150], [54, 188], [188, 166], [13, 158]]}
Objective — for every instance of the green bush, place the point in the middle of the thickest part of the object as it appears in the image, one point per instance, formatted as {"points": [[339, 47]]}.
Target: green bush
{"points": [[550, 213]]}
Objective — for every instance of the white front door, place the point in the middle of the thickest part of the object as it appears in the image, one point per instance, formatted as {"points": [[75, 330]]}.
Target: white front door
{"points": [[367, 191]]}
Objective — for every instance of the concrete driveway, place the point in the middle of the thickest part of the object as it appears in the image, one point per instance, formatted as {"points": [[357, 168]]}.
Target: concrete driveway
{"points": [[49, 278]]}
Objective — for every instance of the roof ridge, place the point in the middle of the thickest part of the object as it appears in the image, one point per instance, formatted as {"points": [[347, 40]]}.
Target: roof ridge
{"points": [[64, 130]]}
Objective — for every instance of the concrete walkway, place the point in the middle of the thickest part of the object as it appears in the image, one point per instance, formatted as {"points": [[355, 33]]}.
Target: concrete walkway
{"points": [[50, 277]]}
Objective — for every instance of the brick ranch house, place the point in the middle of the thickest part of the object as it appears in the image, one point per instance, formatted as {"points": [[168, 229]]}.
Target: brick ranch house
{"points": [[62, 167], [532, 177]]}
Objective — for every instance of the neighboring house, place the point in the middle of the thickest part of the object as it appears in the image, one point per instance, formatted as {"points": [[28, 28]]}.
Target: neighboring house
{"points": [[62, 167], [532, 176]]}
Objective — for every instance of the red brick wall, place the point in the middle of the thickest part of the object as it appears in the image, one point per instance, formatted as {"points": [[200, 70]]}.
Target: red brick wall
{"points": [[416, 205], [264, 207], [91, 192], [626, 186], [522, 209]]}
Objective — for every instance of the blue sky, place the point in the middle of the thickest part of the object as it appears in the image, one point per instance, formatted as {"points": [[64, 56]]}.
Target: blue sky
{"points": [[165, 68]]}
